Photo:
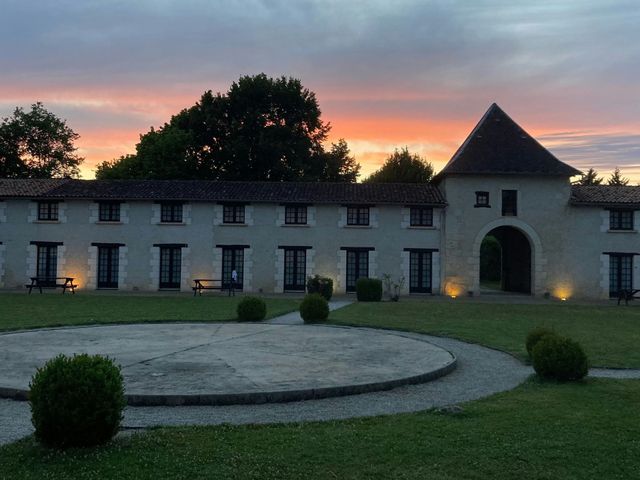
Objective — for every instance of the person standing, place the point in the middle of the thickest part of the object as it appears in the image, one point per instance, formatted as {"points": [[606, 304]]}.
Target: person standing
{"points": [[234, 281]]}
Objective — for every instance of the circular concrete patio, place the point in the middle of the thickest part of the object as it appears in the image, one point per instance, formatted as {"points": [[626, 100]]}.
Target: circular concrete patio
{"points": [[231, 363]]}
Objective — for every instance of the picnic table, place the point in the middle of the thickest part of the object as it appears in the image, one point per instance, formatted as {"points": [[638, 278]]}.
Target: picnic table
{"points": [[200, 284], [627, 295], [65, 283]]}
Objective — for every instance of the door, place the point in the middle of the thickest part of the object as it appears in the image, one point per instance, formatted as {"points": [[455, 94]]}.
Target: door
{"points": [[170, 267], [108, 267], [47, 267], [295, 269], [620, 273], [232, 259], [420, 272], [357, 267]]}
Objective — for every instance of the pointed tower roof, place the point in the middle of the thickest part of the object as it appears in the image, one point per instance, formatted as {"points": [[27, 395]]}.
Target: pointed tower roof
{"points": [[499, 146]]}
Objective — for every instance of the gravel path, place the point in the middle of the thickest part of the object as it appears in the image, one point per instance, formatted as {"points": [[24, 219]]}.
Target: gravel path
{"points": [[481, 372]]}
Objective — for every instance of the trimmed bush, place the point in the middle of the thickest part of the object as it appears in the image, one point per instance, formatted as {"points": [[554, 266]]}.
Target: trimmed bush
{"points": [[559, 358], [369, 290], [252, 309], [321, 285], [76, 401], [314, 308], [534, 337]]}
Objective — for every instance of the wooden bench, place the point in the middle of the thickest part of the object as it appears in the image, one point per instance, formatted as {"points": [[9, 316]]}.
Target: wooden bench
{"points": [[200, 284], [65, 283], [627, 295]]}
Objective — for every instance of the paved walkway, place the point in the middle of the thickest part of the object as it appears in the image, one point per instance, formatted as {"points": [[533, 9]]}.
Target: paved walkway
{"points": [[481, 372], [294, 318]]}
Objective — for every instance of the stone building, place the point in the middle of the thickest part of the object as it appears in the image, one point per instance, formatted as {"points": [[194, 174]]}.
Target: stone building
{"points": [[555, 238]]}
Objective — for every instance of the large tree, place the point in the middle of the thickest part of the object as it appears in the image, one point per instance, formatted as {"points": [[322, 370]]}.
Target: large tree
{"points": [[403, 167], [261, 129], [617, 179], [37, 144], [589, 178]]}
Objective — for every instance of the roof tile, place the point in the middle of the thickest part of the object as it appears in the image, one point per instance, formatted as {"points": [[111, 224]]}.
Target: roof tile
{"points": [[200, 190], [498, 145]]}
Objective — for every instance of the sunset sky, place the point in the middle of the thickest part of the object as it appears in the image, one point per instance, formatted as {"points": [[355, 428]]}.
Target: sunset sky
{"points": [[387, 74]]}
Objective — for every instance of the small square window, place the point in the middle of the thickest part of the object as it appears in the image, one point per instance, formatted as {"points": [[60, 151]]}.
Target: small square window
{"points": [[48, 211], [482, 200], [171, 212], [295, 214], [509, 203], [109, 212], [358, 216], [233, 214], [621, 220], [421, 217]]}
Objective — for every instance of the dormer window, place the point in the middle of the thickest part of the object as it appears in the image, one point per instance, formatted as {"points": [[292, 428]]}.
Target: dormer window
{"points": [[621, 220], [482, 200], [233, 213], [171, 212], [509, 203], [48, 211], [109, 212], [358, 216]]}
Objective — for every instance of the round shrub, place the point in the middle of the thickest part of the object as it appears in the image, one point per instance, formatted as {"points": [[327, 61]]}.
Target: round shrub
{"points": [[76, 401], [534, 337], [559, 358], [321, 285], [252, 309], [314, 308], [369, 290]]}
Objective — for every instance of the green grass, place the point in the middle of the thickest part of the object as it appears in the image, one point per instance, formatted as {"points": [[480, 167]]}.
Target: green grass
{"points": [[586, 430], [610, 335], [49, 310]]}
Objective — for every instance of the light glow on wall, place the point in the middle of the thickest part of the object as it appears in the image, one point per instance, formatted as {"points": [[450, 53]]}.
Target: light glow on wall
{"points": [[563, 291], [453, 287]]}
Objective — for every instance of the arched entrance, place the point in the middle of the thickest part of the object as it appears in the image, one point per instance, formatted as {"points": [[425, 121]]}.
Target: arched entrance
{"points": [[505, 261]]}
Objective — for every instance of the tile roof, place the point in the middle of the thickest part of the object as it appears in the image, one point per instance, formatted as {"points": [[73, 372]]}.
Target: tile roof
{"points": [[211, 191], [605, 195], [498, 145]]}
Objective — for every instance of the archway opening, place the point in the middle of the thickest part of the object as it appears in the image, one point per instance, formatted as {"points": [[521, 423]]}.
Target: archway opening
{"points": [[505, 261]]}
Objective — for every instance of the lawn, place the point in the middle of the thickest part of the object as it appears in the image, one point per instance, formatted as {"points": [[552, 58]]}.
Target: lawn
{"points": [[49, 310], [609, 334], [588, 430]]}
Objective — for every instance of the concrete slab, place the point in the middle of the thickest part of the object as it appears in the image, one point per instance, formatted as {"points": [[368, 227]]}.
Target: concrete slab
{"points": [[231, 363]]}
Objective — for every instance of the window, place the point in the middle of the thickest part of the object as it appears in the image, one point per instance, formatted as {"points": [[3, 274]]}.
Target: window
{"points": [[109, 212], [509, 203], [170, 267], [620, 273], [48, 211], [357, 215], [357, 267], [621, 220], [233, 214], [420, 271], [295, 214], [171, 212], [232, 259], [295, 269], [108, 266], [421, 217], [482, 200], [47, 266]]}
